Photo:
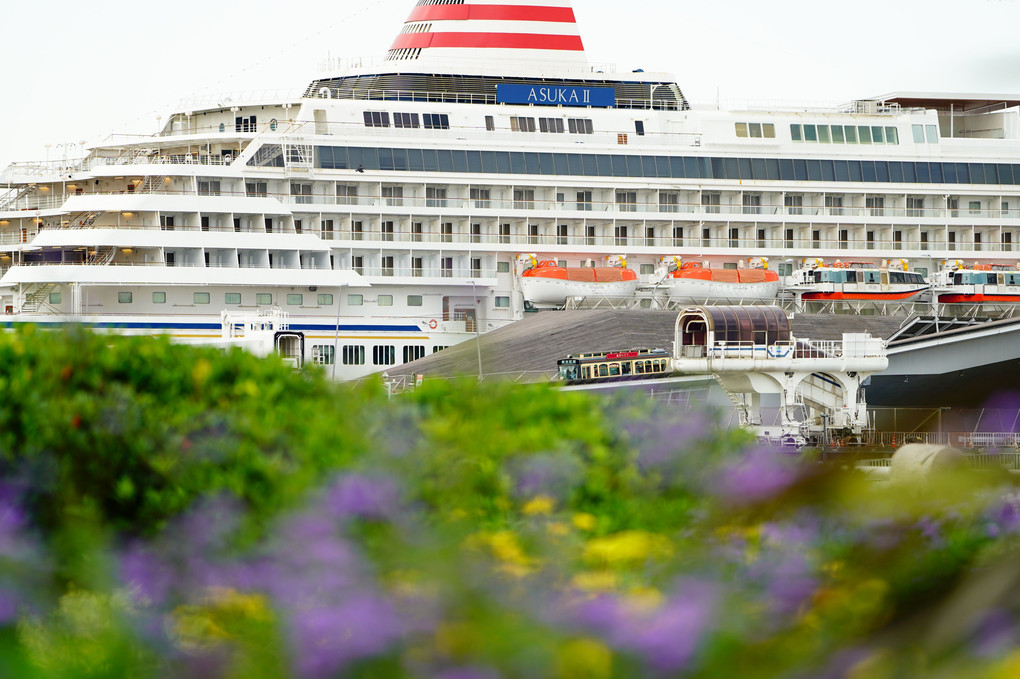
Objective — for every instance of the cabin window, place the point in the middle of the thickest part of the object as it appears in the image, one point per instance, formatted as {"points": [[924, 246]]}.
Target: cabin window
{"points": [[413, 353], [263, 299], [232, 298], [326, 300], [377, 119], [295, 300], [323, 354], [55, 298], [202, 298], [436, 121], [124, 297], [502, 302], [406, 120], [159, 298], [414, 300], [639, 127], [384, 355], [354, 355], [355, 300], [385, 300]]}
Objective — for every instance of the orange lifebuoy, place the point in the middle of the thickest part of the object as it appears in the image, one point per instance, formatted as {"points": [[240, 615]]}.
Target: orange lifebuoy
{"points": [[433, 324]]}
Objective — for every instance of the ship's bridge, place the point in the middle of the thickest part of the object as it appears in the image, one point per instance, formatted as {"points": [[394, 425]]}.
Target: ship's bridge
{"points": [[486, 53]]}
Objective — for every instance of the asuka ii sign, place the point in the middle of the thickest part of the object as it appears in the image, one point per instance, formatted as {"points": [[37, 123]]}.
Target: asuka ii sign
{"points": [[552, 95]]}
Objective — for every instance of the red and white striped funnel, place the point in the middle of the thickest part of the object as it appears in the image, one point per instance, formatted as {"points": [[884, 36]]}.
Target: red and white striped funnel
{"points": [[540, 31]]}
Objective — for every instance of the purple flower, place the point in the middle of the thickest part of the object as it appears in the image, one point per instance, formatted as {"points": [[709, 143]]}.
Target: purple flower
{"points": [[551, 475], [147, 574], [327, 639], [668, 638], [762, 474], [663, 442], [375, 498], [468, 673], [8, 607], [996, 634]]}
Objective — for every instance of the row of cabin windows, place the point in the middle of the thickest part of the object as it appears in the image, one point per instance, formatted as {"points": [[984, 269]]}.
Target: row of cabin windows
{"points": [[605, 165], [353, 354], [229, 298], [547, 125], [756, 130], [845, 134], [430, 121]]}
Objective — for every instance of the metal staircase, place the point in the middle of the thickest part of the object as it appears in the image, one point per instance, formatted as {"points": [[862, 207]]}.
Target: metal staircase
{"points": [[101, 257], [152, 184], [84, 220], [37, 298]]}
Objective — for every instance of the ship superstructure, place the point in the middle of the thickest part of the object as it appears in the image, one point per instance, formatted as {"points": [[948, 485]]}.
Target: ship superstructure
{"points": [[384, 208]]}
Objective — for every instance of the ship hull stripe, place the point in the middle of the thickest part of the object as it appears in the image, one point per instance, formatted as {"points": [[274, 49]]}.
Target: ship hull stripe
{"points": [[859, 296], [525, 41], [563, 15], [977, 299]]}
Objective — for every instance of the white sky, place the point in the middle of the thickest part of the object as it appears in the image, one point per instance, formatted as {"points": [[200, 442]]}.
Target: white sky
{"points": [[78, 71]]}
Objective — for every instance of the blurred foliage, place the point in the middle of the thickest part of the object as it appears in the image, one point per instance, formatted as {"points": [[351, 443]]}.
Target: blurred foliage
{"points": [[169, 511]]}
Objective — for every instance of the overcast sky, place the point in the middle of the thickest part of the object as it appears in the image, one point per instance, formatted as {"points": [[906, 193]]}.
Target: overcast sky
{"points": [[73, 71]]}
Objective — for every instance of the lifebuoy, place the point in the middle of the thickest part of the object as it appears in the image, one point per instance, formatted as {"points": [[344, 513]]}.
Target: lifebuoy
{"points": [[433, 324]]}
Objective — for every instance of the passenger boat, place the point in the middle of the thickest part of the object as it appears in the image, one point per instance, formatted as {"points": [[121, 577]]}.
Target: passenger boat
{"points": [[696, 282], [548, 283], [857, 281], [956, 283]]}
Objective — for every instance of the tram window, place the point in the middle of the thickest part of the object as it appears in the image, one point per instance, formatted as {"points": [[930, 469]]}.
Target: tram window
{"points": [[603, 370], [639, 367], [648, 366], [614, 369], [626, 367], [586, 372]]}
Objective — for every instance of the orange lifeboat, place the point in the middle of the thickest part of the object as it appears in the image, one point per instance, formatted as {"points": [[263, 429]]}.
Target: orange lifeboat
{"points": [[694, 282], [548, 283]]}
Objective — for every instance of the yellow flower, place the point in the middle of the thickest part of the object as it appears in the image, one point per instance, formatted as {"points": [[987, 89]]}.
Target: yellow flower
{"points": [[585, 522], [644, 599], [628, 547], [1007, 668], [584, 659], [540, 506], [596, 581], [558, 529]]}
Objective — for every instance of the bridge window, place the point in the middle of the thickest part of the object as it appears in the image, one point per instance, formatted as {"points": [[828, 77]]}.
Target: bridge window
{"points": [[377, 119], [436, 121]]}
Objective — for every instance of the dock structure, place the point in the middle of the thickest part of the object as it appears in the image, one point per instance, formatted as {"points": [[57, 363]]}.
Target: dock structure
{"points": [[751, 351]]}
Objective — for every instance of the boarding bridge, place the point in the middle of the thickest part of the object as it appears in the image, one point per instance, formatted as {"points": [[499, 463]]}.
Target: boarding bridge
{"points": [[751, 352]]}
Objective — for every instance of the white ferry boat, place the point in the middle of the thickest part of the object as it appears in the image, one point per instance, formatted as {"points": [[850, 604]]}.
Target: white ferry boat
{"points": [[383, 210], [957, 283], [889, 282]]}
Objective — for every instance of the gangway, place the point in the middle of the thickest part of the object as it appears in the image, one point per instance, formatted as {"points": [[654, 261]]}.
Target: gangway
{"points": [[751, 352]]}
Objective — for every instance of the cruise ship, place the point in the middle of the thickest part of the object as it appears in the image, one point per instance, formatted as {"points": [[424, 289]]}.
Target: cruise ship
{"points": [[386, 210]]}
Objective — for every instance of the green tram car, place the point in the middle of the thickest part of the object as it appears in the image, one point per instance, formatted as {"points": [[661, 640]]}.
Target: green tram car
{"points": [[615, 366]]}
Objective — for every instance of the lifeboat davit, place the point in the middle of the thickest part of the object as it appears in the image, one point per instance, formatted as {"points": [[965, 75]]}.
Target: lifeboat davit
{"points": [[548, 283], [693, 282]]}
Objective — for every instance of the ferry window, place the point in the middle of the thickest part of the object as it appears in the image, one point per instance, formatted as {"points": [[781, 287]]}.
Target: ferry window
{"points": [[223, 128], [326, 300], [377, 119], [647, 269], [932, 133], [414, 300], [323, 354], [295, 300], [124, 297], [413, 353], [232, 298], [436, 121], [202, 298], [795, 132], [754, 129], [892, 136], [918, 133], [355, 300], [768, 130], [354, 355], [810, 133], [580, 126], [878, 135], [823, 134], [263, 299], [864, 134], [55, 298], [502, 267], [385, 300], [385, 355], [741, 129], [520, 124], [837, 135], [406, 120], [502, 302], [159, 298], [639, 127], [851, 134], [490, 123], [553, 125]]}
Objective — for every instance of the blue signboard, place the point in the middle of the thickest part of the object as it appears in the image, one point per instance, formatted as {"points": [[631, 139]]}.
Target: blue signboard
{"points": [[555, 95]]}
